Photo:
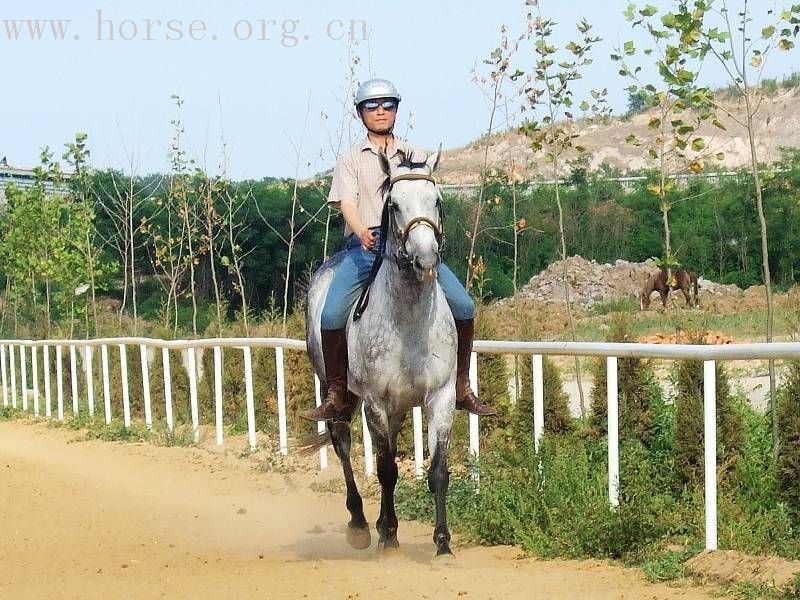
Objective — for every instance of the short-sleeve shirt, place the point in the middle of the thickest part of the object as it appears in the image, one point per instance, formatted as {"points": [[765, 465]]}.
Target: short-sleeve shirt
{"points": [[358, 176]]}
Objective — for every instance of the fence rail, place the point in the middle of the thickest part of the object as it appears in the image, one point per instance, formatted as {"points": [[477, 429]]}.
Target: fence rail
{"points": [[14, 353]]}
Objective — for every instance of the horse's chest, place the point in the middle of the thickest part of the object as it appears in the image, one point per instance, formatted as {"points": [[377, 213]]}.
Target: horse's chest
{"points": [[407, 367]]}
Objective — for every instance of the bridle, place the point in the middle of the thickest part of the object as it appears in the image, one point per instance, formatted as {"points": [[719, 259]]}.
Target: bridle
{"points": [[401, 234]]}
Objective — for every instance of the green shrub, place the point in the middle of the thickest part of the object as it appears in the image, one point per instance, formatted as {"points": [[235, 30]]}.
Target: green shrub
{"points": [[557, 418], [689, 447], [789, 427], [639, 393]]}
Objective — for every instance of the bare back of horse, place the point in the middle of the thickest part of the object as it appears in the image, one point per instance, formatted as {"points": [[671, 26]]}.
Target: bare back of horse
{"points": [[402, 350], [683, 280]]}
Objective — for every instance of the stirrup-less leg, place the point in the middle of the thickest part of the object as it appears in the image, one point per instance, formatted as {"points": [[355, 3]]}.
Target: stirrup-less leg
{"points": [[465, 397], [338, 404]]}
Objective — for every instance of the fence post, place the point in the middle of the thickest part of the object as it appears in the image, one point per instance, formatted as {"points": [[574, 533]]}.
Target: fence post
{"points": [[59, 383], [474, 430], [4, 373], [47, 395], [248, 386], [106, 384], [89, 380], [369, 463], [35, 376], [193, 394], [126, 399], [148, 408], [538, 400], [283, 438], [23, 373], [167, 388], [323, 451], [13, 376], [73, 366], [418, 446], [612, 393], [710, 463], [218, 392]]}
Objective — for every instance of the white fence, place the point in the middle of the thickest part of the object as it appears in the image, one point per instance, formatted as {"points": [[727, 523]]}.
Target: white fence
{"points": [[13, 353]]}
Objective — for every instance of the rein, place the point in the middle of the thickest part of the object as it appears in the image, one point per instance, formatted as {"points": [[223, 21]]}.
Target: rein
{"points": [[388, 221]]}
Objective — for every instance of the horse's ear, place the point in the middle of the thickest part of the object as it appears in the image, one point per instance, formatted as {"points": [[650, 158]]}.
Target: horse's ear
{"points": [[384, 162], [433, 160]]}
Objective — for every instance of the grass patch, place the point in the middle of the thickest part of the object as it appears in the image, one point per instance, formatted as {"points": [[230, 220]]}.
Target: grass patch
{"points": [[615, 306], [667, 565], [751, 591]]}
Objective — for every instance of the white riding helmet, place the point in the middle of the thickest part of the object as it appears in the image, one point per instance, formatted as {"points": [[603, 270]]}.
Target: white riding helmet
{"points": [[376, 88]]}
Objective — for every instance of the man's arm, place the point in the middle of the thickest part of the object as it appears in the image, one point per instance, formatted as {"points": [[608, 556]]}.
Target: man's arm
{"points": [[353, 219], [343, 195]]}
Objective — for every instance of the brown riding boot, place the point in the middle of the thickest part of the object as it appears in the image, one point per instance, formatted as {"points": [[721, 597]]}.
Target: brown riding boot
{"points": [[465, 397], [338, 404]]}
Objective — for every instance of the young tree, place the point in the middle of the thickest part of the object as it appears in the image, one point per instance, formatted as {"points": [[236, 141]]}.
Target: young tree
{"points": [[679, 109], [297, 223], [43, 240], [493, 86], [231, 254], [80, 186], [711, 28], [169, 235], [548, 90], [123, 197]]}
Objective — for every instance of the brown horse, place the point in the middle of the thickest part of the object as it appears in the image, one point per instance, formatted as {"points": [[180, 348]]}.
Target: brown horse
{"points": [[683, 280]]}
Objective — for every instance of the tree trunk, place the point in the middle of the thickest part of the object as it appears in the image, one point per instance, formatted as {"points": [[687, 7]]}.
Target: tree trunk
{"points": [[566, 285], [132, 261], [765, 260], [210, 234]]}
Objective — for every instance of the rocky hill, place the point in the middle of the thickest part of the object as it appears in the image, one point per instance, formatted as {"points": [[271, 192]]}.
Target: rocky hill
{"points": [[777, 125]]}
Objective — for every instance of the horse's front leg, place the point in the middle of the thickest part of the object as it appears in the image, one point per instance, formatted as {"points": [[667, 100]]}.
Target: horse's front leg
{"points": [[384, 437], [440, 409], [358, 535]]}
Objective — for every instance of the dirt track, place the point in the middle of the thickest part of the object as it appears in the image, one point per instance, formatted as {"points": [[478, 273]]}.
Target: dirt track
{"points": [[103, 520]]}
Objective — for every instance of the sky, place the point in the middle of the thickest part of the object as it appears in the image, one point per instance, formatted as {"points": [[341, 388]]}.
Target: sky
{"points": [[269, 77]]}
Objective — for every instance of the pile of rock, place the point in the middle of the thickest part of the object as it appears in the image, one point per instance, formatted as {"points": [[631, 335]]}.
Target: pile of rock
{"points": [[591, 283]]}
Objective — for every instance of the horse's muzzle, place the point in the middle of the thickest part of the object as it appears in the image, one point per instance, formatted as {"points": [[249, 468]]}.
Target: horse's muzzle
{"points": [[426, 270]]}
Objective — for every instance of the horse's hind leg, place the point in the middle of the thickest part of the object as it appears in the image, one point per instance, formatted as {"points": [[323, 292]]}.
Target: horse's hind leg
{"points": [[358, 535]]}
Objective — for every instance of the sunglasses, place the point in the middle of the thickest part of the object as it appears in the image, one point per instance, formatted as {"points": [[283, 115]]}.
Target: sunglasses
{"points": [[388, 105]]}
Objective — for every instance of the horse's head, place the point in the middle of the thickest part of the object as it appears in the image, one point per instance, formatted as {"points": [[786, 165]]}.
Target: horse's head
{"points": [[416, 224]]}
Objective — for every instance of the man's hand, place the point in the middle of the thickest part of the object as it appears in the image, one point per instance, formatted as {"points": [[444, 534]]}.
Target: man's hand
{"points": [[367, 238]]}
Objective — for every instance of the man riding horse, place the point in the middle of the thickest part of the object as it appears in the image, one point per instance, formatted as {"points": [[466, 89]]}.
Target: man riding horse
{"points": [[357, 189]]}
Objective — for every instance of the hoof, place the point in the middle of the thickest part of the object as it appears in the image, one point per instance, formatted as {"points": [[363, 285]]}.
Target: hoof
{"points": [[359, 537], [387, 546], [444, 559]]}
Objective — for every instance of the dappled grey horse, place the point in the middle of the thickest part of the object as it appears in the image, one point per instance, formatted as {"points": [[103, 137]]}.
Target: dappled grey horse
{"points": [[402, 349]]}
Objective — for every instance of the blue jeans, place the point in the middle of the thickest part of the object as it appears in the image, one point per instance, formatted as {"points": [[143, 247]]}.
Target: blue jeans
{"points": [[353, 272]]}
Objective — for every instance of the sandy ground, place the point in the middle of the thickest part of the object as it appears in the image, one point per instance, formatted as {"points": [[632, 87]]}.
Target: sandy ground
{"points": [[108, 520]]}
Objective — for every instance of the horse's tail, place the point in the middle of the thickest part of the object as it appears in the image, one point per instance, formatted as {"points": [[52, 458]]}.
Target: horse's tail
{"points": [[695, 288], [309, 443]]}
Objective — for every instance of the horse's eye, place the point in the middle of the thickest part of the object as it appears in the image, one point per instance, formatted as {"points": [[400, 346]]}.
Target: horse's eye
{"points": [[393, 205]]}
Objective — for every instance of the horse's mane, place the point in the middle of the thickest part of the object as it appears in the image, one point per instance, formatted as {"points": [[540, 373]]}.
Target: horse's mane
{"points": [[405, 162]]}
